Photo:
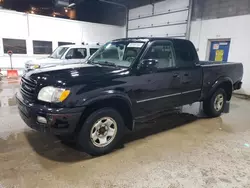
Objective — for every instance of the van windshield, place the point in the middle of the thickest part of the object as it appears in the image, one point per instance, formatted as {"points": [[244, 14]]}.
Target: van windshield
{"points": [[117, 53], [59, 52]]}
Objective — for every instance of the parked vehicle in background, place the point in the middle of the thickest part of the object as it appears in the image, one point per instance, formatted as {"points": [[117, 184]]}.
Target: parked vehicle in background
{"points": [[1, 75], [66, 54], [123, 83]]}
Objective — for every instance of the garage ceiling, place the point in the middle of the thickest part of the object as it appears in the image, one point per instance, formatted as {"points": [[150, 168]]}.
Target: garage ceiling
{"points": [[129, 3], [86, 10], [136, 3]]}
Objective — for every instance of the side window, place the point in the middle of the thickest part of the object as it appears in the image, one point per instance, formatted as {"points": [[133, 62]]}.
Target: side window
{"points": [[17, 46], [65, 43], [76, 53], [163, 53], [185, 53], [93, 50], [42, 47]]}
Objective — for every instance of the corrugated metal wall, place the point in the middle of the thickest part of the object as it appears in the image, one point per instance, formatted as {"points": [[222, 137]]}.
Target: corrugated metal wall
{"points": [[213, 9], [168, 18]]}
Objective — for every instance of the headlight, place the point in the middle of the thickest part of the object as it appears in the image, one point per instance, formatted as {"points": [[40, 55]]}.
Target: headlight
{"points": [[53, 94], [34, 66]]}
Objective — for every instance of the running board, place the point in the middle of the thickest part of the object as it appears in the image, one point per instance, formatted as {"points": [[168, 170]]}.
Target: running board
{"points": [[151, 117]]}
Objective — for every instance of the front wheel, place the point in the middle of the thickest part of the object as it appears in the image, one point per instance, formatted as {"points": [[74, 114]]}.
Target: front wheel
{"points": [[214, 105], [101, 132]]}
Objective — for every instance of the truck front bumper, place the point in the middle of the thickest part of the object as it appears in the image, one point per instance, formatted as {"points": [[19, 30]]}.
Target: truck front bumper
{"points": [[61, 121]]}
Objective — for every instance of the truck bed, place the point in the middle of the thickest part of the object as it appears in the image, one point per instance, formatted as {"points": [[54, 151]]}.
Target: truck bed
{"points": [[215, 63], [213, 71]]}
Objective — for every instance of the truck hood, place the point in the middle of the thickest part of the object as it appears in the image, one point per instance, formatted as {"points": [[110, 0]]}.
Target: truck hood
{"points": [[72, 74], [43, 62]]}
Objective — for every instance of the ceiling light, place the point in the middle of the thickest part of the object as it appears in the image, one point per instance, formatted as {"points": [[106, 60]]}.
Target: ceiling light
{"points": [[72, 5]]}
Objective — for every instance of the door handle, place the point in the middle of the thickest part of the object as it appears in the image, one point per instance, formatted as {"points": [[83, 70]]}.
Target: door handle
{"points": [[176, 75], [186, 74], [186, 82]]}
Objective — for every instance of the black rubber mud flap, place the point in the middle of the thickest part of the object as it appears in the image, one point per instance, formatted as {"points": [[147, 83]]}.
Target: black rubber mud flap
{"points": [[227, 107]]}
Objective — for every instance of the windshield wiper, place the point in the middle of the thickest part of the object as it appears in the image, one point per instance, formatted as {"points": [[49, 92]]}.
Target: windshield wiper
{"points": [[107, 63]]}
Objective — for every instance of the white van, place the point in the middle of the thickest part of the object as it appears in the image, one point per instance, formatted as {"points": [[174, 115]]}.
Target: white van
{"points": [[66, 54]]}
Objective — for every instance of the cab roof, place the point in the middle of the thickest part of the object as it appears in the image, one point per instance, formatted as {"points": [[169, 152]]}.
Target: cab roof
{"points": [[147, 39], [80, 46]]}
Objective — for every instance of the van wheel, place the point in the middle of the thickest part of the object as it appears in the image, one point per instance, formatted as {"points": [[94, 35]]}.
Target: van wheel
{"points": [[101, 132], [214, 106]]}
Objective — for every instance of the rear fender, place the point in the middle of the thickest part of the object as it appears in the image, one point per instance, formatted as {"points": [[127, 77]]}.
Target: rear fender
{"points": [[223, 82]]}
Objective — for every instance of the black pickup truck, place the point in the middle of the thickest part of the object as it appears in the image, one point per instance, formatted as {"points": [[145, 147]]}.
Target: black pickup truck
{"points": [[124, 82]]}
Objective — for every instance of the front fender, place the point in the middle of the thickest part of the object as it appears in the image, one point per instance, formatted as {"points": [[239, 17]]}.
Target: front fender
{"points": [[112, 98], [108, 94]]}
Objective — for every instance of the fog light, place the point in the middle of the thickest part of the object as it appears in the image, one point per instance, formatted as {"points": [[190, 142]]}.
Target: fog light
{"points": [[41, 119]]}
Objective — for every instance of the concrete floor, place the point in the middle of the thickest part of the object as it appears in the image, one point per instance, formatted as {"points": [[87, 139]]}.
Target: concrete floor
{"points": [[176, 151]]}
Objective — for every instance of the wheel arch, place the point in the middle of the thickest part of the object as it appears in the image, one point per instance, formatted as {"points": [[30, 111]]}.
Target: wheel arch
{"points": [[119, 102], [225, 83]]}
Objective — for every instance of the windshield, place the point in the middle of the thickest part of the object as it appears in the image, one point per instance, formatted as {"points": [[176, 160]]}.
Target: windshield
{"points": [[117, 53], [58, 53]]}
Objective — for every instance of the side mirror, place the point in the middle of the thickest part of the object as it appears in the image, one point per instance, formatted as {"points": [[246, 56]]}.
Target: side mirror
{"points": [[68, 57], [148, 65]]}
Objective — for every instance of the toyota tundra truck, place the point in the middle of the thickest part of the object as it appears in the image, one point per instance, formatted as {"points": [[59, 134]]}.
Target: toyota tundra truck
{"points": [[124, 82]]}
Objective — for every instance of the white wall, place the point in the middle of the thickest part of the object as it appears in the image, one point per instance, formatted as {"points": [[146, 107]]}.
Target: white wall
{"points": [[16, 25], [235, 28], [171, 12]]}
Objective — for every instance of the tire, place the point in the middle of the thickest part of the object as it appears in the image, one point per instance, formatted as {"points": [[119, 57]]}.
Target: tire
{"points": [[209, 106], [93, 145]]}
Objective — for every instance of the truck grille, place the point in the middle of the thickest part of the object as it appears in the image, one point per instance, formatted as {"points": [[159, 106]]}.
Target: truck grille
{"points": [[28, 89]]}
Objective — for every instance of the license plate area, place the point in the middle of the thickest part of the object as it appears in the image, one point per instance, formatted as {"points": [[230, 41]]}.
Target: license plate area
{"points": [[23, 108]]}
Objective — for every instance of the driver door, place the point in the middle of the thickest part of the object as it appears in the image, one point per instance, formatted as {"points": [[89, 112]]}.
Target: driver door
{"points": [[158, 89]]}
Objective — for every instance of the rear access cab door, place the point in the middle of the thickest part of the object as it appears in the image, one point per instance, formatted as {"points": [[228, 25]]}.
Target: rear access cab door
{"points": [[190, 71]]}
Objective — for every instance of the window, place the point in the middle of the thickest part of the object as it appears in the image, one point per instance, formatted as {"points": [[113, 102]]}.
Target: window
{"points": [[17, 46], [59, 52], [93, 50], [117, 53], [162, 52], [110, 53], [42, 47], [185, 53], [76, 53], [65, 43]]}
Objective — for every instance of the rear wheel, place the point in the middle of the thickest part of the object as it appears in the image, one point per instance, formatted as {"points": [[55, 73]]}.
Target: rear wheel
{"points": [[214, 105], [101, 132]]}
